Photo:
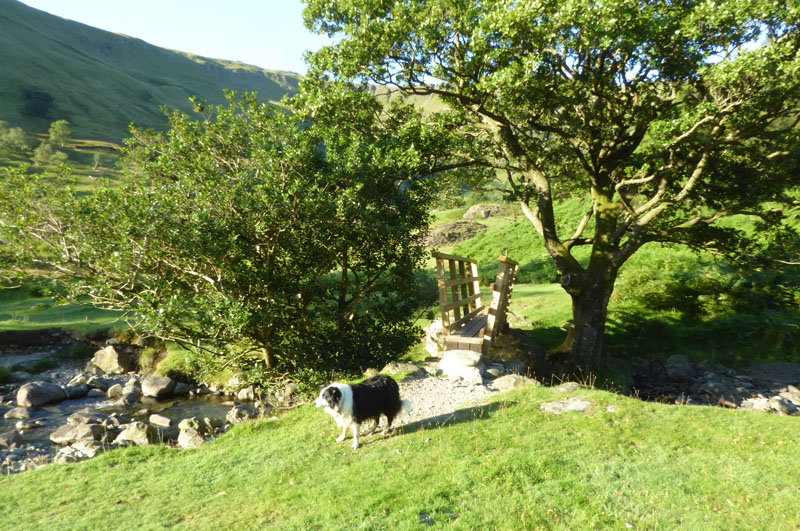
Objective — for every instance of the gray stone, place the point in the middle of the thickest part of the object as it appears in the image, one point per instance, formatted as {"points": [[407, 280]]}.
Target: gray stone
{"points": [[160, 421], [568, 387], [434, 338], [575, 403], [513, 381], [67, 455], [39, 393], [69, 433], [466, 358], [76, 390], [397, 368], [19, 412], [241, 413], [29, 424], [470, 375], [493, 373], [678, 367], [246, 394], [791, 393], [10, 440], [191, 422], [87, 415], [115, 391], [112, 361], [80, 378], [157, 386], [190, 438], [128, 399], [137, 433], [96, 393], [97, 382], [783, 406], [89, 448], [482, 211]]}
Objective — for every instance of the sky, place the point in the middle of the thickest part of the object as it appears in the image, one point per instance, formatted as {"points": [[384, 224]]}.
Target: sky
{"points": [[265, 33]]}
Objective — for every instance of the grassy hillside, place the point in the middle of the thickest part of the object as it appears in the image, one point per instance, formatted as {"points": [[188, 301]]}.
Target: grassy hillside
{"points": [[508, 465], [100, 82]]}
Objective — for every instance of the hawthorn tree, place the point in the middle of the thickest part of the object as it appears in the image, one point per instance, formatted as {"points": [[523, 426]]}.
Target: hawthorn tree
{"points": [[60, 132], [669, 115], [267, 243]]}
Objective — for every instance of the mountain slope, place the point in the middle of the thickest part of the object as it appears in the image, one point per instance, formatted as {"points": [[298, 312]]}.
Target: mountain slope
{"points": [[53, 69]]}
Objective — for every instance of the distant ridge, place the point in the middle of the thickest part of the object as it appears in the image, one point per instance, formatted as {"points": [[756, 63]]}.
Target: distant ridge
{"points": [[57, 69]]}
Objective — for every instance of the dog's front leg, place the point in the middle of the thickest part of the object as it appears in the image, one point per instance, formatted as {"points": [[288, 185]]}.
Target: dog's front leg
{"points": [[356, 426], [341, 437]]}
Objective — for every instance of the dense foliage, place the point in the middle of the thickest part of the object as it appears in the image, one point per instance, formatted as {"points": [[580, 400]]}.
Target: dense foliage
{"points": [[670, 116], [249, 236]]}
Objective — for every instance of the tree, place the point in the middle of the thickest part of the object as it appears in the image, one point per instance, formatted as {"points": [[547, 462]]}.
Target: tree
{"points": [[14, 139], [669, 115], [60, 132], [42, 154], [247, 235]]}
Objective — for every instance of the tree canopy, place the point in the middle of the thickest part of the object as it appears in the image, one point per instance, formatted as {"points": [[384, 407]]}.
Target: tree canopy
{"points": [[669, 115], [266, 242]]}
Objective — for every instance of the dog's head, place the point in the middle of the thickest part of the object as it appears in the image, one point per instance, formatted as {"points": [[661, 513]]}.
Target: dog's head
{"points": [[330, 397]]}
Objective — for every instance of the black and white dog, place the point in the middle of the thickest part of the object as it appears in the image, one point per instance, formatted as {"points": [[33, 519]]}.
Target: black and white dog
{"points": [[352, 405]]}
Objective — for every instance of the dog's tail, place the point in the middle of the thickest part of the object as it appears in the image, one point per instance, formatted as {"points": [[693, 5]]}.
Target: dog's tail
{"points": [[405, 406]]}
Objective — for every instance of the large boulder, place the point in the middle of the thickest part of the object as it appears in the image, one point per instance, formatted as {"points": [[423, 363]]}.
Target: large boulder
{"points": [[462, 364], [190, 438], [482, 211], [70, 433], [157, 386], [241, 413], [19, 412], [513, 381], [434, 339], [10, 440], [35, 394], [87, 415], [113, 361], [454, 232], [137, 433]]}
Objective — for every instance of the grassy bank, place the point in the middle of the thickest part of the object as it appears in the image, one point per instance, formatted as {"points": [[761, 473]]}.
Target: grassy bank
{"points": [[506, 465]]}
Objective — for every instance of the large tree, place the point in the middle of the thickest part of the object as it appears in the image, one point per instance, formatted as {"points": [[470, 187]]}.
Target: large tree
{"points": [[669, 115], [249, 234]]}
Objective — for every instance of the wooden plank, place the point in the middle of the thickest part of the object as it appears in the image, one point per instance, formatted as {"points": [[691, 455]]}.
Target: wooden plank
{"points": [[508, 260], [457, 325], [442, 295], [453, 257], [464, 340], [473, 329], [460, 281], [457, 304]]}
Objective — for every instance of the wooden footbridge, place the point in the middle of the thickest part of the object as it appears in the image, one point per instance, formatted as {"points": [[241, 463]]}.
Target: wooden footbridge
{"points": [[466, 322]]}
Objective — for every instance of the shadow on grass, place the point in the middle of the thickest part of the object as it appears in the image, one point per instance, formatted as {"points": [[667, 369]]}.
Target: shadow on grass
{"points": [[454, 418]]}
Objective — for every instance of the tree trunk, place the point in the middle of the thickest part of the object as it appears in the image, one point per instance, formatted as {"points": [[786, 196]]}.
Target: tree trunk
{"points": [[584, 342]]}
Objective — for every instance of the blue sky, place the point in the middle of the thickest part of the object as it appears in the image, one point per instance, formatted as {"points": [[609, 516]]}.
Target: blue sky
{"points": [[265, 33]]}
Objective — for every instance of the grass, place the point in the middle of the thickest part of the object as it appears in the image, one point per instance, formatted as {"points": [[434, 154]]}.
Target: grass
{"points": [[28, 308], [506, 465]]}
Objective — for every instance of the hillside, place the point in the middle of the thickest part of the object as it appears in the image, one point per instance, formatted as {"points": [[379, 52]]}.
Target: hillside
{"points": [[100, 82]]}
